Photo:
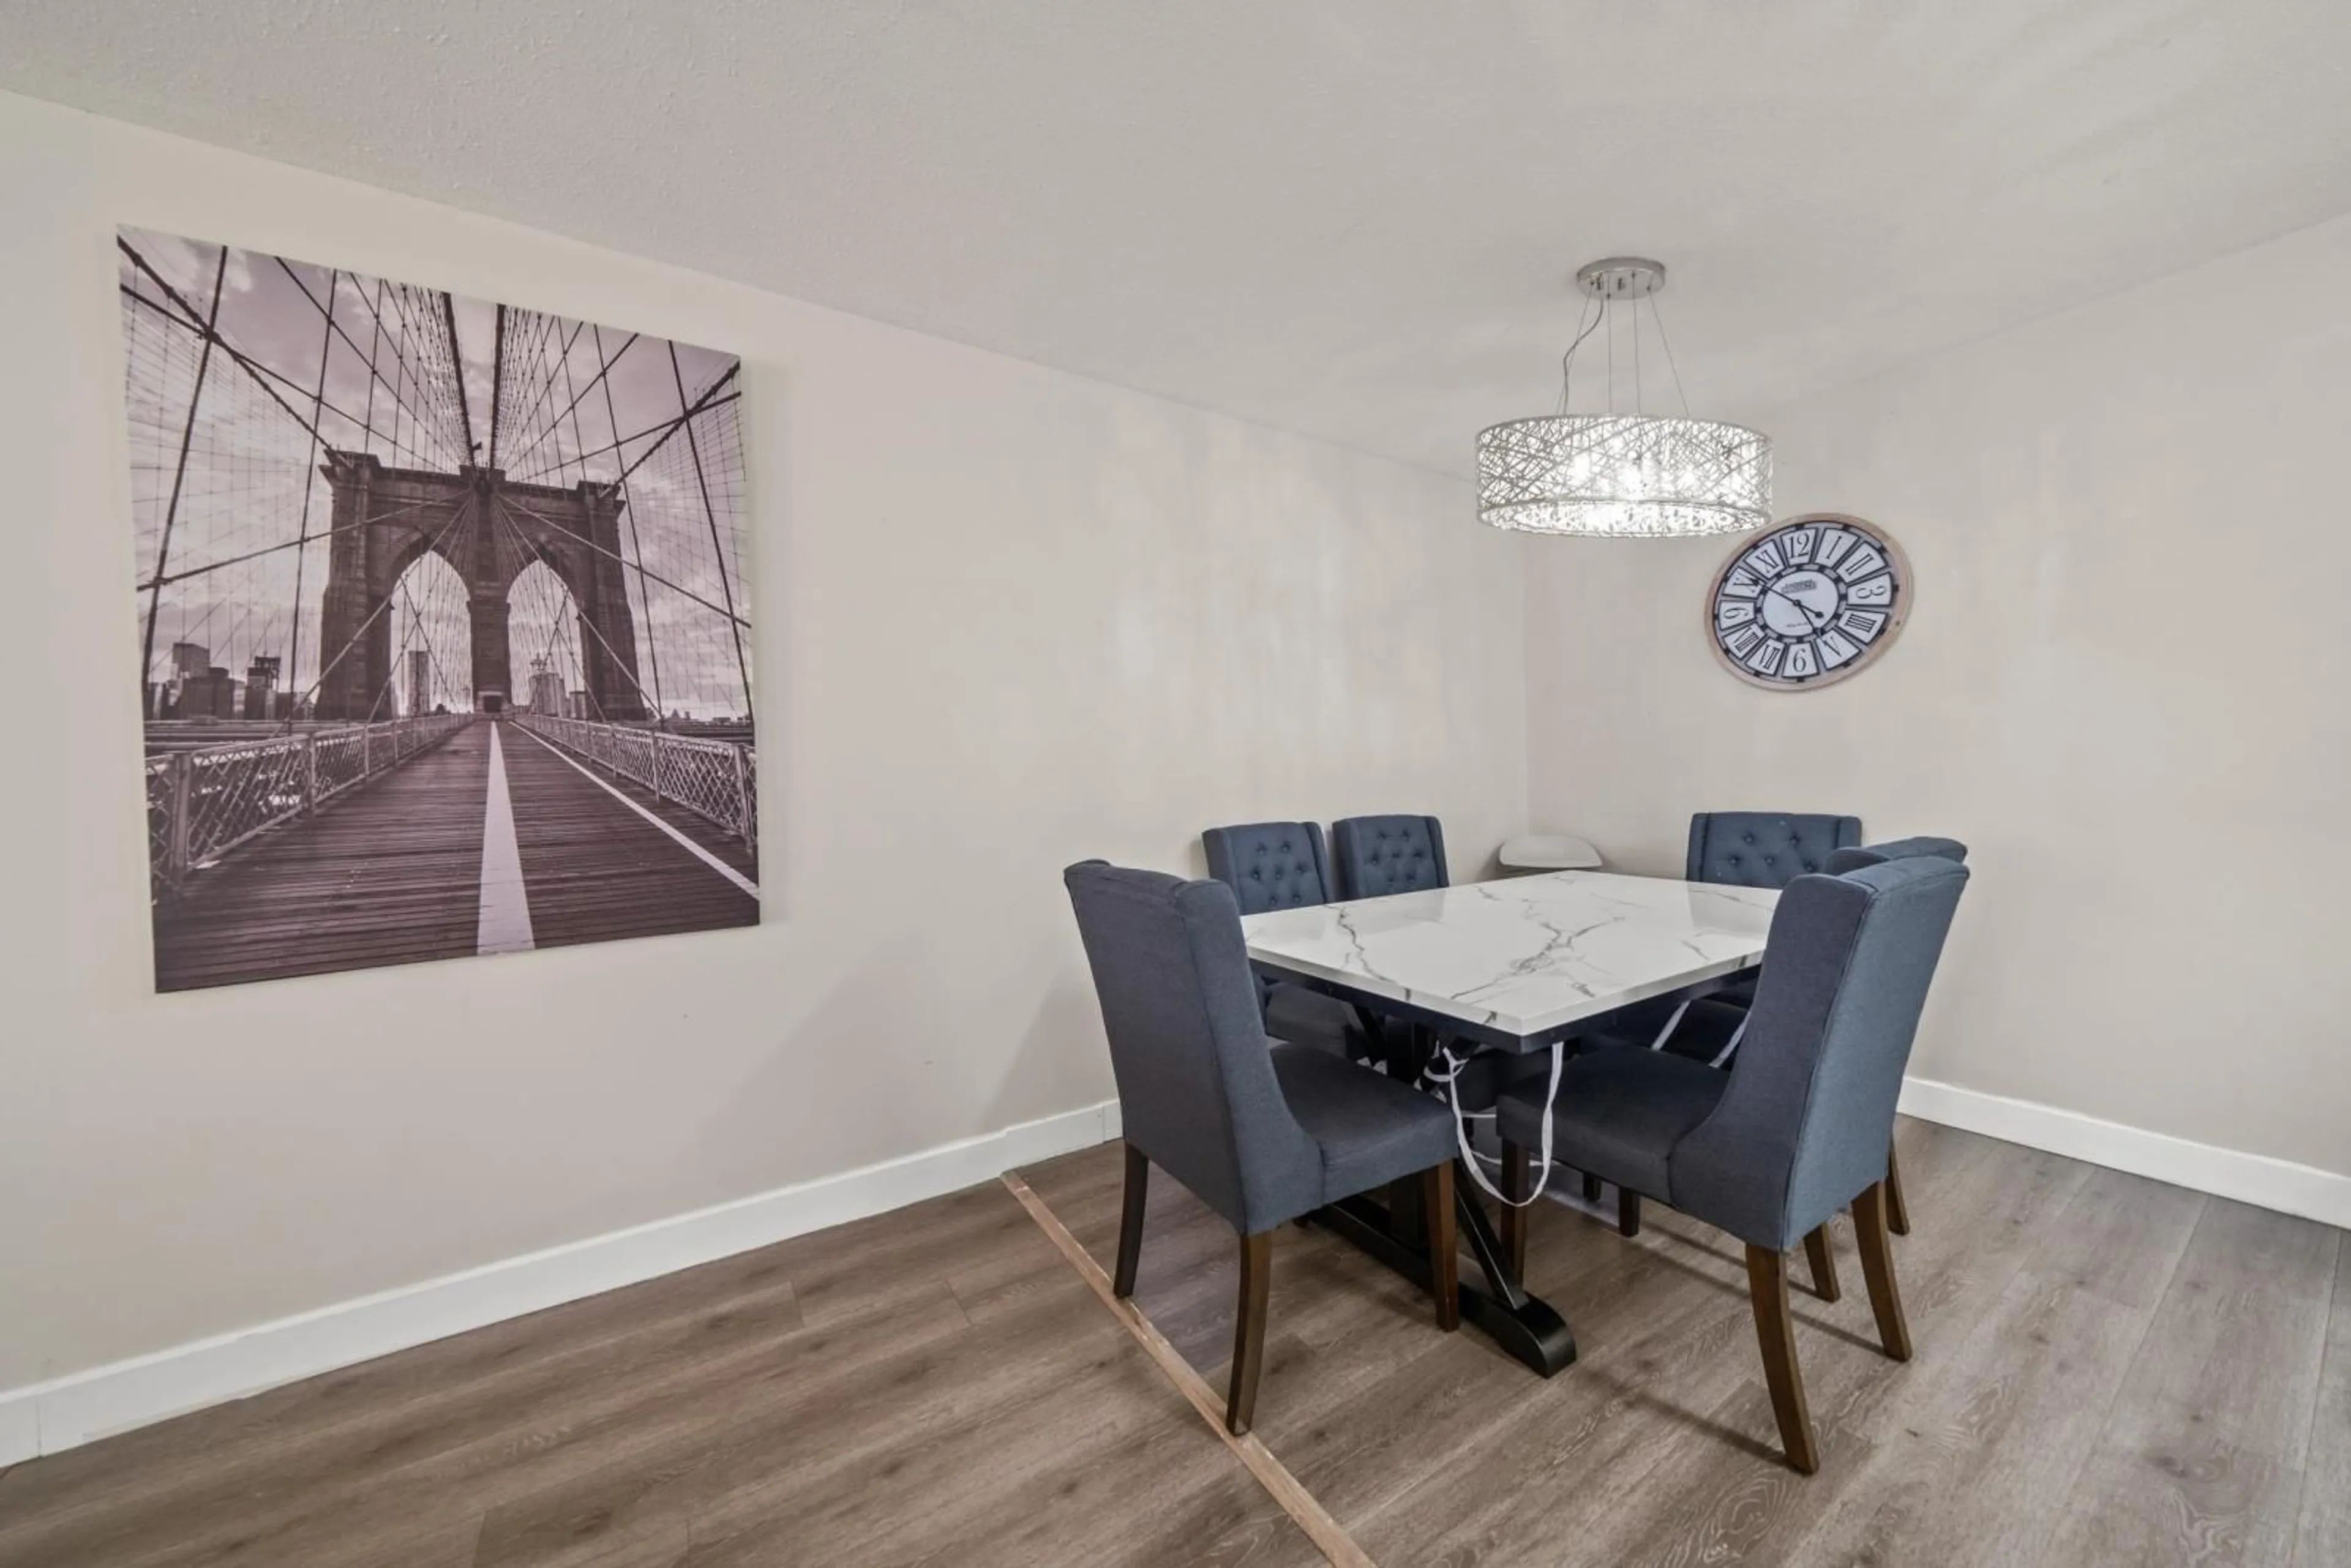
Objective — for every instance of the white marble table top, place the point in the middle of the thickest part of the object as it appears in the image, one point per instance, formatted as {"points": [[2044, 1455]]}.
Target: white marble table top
{"points": [[1523, 955]]}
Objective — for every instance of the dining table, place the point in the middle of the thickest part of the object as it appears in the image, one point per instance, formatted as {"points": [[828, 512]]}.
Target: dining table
{"points": [[1515, 966]]}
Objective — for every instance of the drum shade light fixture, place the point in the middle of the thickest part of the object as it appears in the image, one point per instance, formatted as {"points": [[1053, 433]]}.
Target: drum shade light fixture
{"points": [[1623, 474]]}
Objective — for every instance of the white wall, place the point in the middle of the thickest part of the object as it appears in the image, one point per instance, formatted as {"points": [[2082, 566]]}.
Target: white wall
{"points": [[1008, 618], [2126, 683]]}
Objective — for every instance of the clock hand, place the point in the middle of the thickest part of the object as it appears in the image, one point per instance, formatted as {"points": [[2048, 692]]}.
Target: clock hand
{"points": [[1801, 608]]}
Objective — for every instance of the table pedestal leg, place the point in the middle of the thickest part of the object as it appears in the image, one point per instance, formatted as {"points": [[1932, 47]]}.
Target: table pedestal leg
{"points": [[1526, 1326]]}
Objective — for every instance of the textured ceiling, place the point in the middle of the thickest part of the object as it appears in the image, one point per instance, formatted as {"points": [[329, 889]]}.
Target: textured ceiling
{"points": [[1355, 218]]}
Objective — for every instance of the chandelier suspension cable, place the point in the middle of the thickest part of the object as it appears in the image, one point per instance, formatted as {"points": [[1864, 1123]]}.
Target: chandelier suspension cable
{"points": [[1608, 311], [1586, 324], [1636, 359], [1660, 316]]}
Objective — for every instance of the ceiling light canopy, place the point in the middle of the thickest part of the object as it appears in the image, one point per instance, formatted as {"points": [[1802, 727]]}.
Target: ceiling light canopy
{"points": [[1622, 473]]}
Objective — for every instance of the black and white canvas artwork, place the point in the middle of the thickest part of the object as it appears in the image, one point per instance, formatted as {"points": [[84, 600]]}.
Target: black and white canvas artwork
{"points": [[443, 629]]}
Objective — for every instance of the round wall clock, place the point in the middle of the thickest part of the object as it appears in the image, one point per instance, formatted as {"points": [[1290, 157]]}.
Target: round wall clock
{"points": [[1808, 601]]}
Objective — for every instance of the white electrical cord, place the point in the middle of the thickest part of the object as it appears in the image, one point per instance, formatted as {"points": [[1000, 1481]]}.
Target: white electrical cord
{"points": [[1724, 1054], [1672, 1024], [1469, 1156]]}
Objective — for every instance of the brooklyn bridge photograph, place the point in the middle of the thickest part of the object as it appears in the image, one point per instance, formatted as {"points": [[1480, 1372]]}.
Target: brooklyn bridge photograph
{"points": [[443, 628]]}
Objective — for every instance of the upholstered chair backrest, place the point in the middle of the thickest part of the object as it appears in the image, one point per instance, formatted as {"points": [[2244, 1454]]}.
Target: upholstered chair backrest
{"points": [[1842, 860], [1196, 1089], [1806, 1119], [1375, 856], [1269, 865], [1764, 848]]}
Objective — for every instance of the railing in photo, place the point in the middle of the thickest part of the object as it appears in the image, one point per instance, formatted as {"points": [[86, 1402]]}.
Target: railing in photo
{"points": [[717, 781], [203, 802]]}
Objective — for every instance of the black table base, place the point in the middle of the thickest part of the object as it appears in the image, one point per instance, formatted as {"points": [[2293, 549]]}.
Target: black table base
{"points": [[1526, 1326]]}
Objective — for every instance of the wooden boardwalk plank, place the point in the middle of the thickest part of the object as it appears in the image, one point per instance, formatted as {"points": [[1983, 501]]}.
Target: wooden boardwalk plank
{"points": [[387, 875], [391, 872], [595, 871]]}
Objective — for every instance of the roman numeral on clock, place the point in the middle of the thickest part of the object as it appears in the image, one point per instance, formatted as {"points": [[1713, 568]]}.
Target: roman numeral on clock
{"points": [[1861, 563]]}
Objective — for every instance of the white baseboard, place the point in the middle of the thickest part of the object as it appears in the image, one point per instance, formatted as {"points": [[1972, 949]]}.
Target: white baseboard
{"points": [[45, 1418], [20, 1428], [2257, 1179]]}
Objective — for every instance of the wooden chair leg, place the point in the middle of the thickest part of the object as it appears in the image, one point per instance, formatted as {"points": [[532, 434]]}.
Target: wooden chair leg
{"points": [[1897, 1210], [1591, 1188], [1443, 1245], [1767, 1287], [1822, 1258], [1130, 1221], [1878, 1271], [1628, 1212], [1516, 1181], [1248, 1332]]}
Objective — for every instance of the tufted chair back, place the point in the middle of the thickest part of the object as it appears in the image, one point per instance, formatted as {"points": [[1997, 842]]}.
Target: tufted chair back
{"points": [[1269, 865], [1808, 1113], [1196, 1089], [1375, 856], [1842, 860], [1764, 848]]}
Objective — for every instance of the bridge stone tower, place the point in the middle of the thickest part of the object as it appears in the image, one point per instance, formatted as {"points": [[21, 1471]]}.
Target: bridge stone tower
{"points": [[489, 528]]}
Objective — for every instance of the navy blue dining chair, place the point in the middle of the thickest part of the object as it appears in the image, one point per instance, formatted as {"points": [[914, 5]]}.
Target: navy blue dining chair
{"points": [[1728, 849], [1713, 1025], [1763, 849], [1371, 857], [1841, 860], [1282, 866], [1736, 849], [1897, 1207], [1261, 1132], [1800, 1126]]}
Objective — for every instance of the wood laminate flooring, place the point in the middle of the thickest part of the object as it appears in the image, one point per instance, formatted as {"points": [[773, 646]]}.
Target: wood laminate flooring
{"points": [[2109, 1371]]}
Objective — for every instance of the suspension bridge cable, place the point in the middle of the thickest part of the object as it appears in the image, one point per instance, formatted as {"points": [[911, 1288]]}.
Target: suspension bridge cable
{"points": [[603, 369], [718, 550], [612, 419], [179, 477], [324, 310], [457, 373], [685, 419], [309, 477], [610, 555]]}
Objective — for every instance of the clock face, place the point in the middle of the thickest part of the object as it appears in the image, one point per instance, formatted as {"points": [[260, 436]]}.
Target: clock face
{"points": [[1808, 603]]}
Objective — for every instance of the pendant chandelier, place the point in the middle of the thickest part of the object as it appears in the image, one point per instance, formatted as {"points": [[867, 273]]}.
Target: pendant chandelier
{"points": [[1624, 474]]}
